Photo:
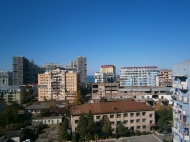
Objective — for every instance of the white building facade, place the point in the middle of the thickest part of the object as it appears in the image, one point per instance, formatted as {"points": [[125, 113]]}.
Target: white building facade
{"points": [[181, 108]]}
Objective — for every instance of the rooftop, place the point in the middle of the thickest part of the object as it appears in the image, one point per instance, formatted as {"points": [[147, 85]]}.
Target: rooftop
{"points": [[11, 134], [110, 107], [38, 106], [106, 66], [140, 67]]}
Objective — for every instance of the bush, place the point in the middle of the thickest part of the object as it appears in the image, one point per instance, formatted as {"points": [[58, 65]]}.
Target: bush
{"points": [[144, 133], [137, 133]]}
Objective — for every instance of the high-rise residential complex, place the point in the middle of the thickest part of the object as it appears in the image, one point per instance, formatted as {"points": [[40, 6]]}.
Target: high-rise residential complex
{"points": [[100, 77], [139, 76], [24, 71], [51, 66], [110, 71], [165, 77], [57, 85], [81, 63], [5, 78], [181, 108]]}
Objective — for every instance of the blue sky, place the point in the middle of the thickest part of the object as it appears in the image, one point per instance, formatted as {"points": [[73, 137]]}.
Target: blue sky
{"points": [[119, 32]]}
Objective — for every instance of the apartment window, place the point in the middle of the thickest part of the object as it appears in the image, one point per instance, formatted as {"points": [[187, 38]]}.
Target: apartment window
{"points": [[143, 113], [143, 120], [138, 121], [138, 127], [150, 115], [126, 115], [118, 122], [132, 114], [97, 117], [112, 123], [125, 122], [111, 116], [76, 121], [118, 115], [150, 121], [144, 127], [132, 128], [131, 121], [137, 114]]}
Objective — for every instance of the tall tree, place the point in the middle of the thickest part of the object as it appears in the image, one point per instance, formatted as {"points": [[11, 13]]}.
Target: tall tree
{"points": [[106, 126], [162, 124], [78, 99], [82, 126], [121, 130], [91, 127], [64, 130]]}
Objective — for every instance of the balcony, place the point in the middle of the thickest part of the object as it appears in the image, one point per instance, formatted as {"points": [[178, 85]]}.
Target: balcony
{"points": [[175, 130], [182, 86], [184, 137]]}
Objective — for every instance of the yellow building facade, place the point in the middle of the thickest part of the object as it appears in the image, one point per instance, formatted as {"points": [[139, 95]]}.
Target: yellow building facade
{"points": [[57, 85]]}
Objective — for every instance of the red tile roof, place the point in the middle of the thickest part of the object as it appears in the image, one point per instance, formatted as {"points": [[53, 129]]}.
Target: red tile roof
{"points": [[109, 107]]}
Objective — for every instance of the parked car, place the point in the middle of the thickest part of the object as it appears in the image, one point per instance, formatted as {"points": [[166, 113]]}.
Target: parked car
{"points": [[165, 134]]}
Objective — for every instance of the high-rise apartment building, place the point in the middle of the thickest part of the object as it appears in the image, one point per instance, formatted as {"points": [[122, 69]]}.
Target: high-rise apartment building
{"points": [[165, 77], [6, 78], [181, 108], [110, 71], [51, 66], [81, 63], [24, 71], [139, 76], [100, 77], [57, 85]]}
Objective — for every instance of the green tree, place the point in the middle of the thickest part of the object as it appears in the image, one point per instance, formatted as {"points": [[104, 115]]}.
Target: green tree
{"points": [[121, 130], [64, 130], [82, 126], [103, 99], [162, 124], [10, 114], [91, 127], [44, 113], [78, 99], [96, 137], [106, 126]]}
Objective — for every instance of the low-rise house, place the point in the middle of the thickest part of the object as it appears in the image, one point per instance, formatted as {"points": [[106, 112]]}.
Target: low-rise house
{"points": [[12, 93], [16, 136], [134, 115], [36, 108], [49, 120]]}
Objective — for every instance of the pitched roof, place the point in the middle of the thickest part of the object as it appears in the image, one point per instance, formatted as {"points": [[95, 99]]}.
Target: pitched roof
{"points": [[11, 134], [109, 107], [38, 106]]}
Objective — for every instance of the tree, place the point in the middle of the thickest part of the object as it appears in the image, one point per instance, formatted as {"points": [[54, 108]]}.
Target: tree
{"points": [[96, 137], [106, 126], [44, 113], [121, 130], [82, 126], [11, 114], [91, 127], [78, 99], [103, 99], [162, 124], [64, 130]]}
